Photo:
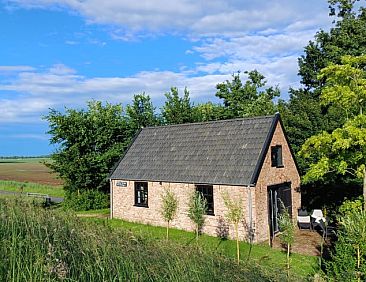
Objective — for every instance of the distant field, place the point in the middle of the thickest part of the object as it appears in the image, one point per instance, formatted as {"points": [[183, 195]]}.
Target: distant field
{"points": [[28, 170]]}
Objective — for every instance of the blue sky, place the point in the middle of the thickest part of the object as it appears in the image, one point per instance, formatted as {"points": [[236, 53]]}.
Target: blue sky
{"points": [[57, 54]]}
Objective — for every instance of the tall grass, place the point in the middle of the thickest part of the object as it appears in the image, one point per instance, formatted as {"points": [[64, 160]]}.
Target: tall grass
{"points": [[51, 245]]}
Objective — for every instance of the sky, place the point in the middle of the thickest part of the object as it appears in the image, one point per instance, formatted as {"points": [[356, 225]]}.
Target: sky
{"points": [[57, 54]]}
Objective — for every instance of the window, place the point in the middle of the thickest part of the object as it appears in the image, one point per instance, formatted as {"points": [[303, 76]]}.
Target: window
{"points": [[276, 156], [207, 193], [141, 194]]}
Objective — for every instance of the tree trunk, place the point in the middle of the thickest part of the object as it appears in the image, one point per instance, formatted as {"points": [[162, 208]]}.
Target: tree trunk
{"points": [[167, 231], [364, 189], [288, 261], [237, 243]]}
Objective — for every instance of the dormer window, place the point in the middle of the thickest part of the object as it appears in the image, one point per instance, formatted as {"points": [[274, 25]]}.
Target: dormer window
{"points": [[276, 156]]}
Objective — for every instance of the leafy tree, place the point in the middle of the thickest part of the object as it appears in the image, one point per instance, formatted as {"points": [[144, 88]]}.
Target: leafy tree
{"points": [[197, 208], [89, 143], [141, 113], [343, 150], [347, 37], [235, 216], [244, 100], [208, 112], [169, 208], [177, 110], [287, 235]]}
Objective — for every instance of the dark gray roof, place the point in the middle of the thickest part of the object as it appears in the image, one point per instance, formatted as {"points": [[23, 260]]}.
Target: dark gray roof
{"points": [[220, 152]]}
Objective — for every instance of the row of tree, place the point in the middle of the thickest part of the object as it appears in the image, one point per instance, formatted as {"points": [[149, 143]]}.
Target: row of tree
{"points": [[324, 109]]}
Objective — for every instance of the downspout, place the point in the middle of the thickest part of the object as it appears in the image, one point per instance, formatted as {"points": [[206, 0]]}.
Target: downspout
{"points": [[250, 209], [111, 197]]}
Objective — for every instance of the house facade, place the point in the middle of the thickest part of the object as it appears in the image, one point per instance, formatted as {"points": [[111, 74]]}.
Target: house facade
{"points": [[248, 159]]}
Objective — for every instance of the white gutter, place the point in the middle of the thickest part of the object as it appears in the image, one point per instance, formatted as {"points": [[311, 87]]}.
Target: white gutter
{"points": [[111, 198]]}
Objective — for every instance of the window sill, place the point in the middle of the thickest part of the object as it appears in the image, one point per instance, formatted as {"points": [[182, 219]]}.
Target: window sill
{"points": [[141, 206], [210, 214]]}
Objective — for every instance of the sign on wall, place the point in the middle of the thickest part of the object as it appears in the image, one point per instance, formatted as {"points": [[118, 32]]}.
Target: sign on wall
{"points": [[121, 184]]}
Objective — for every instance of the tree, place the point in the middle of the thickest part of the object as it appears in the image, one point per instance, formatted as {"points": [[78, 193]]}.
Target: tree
{"points": [[347, 37], [235, 216], [303, 116], [245, 100], [141, 113], [197, 208], [177, 110], [169, 208], [287, 235], [89, 144], [207, 112], [343, 150]]}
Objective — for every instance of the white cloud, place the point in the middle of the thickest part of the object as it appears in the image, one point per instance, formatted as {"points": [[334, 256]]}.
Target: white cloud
{"points": [[10, 69], [60, 86], [200, 17]]}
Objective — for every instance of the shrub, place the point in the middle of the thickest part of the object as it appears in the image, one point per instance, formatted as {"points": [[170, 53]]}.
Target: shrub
{"points": [[197, 208], [350, 206], [86, 200]]}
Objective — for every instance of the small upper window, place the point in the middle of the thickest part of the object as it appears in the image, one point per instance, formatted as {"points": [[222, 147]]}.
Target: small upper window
{"points": [[276, 156], [207, 193], [141, 194]]}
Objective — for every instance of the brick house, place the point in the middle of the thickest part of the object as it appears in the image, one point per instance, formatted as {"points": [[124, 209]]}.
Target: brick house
{"points": [[250, 159]]}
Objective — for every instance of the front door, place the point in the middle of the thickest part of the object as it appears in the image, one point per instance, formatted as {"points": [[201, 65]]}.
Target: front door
{"points": [[277, 194]]}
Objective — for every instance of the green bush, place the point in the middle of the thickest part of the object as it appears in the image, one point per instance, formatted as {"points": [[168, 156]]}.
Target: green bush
{"points": [[349, 256], [86, 200], [350, 206]]}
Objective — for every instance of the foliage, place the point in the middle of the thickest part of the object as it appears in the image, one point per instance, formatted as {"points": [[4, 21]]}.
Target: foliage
{"points": [[235, 216], [246, 100], [208, 112], [348, 207], [89, 144], [39, 245], [287, 228], [86, 200], [197, 208], [141, 113], [347, 37], [343, 150], [169, 208], [348, 258], [177, 110]]}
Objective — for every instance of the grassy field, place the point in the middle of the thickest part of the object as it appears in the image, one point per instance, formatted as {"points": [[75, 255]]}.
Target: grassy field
{"points": [[55, 191], [262, 254], [28, 170], [51, 245]]}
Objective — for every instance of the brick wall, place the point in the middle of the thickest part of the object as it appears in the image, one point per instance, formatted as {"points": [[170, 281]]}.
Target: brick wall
{"points": [[123, 199], [272, 175], [255, 197]]}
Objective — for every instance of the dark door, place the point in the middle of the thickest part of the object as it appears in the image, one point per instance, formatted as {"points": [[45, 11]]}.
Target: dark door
{"points": [[277, 194]]}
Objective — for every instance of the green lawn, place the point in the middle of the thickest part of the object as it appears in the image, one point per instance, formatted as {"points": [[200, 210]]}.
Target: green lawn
{"points": [[55, 191], [263, 254]]}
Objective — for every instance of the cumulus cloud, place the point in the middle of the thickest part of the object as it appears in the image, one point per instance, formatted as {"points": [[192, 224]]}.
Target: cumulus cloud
{"points": [[198, 17], [61, 86]]}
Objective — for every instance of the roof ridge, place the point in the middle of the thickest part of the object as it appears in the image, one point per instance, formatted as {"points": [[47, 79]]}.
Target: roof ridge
{"points": [[209, 122]]}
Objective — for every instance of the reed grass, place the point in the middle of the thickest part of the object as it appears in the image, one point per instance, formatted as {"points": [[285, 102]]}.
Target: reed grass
{"points": [[53, 245]]}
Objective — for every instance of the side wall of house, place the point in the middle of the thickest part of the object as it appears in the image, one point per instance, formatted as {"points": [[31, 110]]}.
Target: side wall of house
{"points": [[123, 200], [270, 176]]}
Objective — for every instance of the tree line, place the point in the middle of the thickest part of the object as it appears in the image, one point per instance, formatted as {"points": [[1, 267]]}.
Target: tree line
{"points": [[91, 140]]}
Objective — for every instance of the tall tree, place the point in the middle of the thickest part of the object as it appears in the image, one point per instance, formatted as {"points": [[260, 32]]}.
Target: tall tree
{"points": [[244, 100], [343, 150], [208, 112], [89, 143], [347, 37], [177, 110], [141, 113]]}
